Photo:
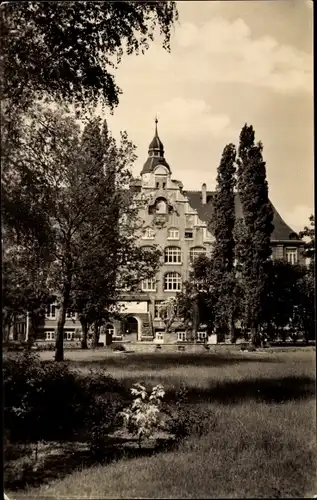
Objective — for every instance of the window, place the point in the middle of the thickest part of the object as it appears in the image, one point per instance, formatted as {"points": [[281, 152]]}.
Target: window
{"points": [[157, 309], [181, 337], [49, 335], [157, 185], [161, 206], [110, 329], [149, 285], [291, 255], [69, 334], [51, 311], [172, 255], [173, 234], [195, 252], [70, 314], [188, 234], [201, 336], [172, 282], [149, 233]]}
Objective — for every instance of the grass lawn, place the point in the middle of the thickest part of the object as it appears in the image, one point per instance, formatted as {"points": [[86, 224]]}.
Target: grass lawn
{"points": [[260, 441]]}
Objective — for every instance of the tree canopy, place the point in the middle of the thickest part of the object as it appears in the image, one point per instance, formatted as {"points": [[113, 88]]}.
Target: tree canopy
{"points": [[69, 51]]}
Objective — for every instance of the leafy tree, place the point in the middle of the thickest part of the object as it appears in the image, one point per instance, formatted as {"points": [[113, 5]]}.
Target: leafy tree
{"points": [[168, 312], [305, 311], [68, 52], [282, 297], [258, 227], [223, 221], [309, 233], [196, 303], [75, 194]]}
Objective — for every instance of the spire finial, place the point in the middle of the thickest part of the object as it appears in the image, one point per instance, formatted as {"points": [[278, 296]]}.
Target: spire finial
{"points": [[156, 122]]}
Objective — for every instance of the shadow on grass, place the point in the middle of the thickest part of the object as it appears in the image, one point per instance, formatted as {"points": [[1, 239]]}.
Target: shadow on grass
{"points": [[171, 360], [67, 458], [275, 390]]}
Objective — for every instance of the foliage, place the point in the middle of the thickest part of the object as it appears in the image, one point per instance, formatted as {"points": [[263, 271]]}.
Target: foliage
{"points": [[309, 233], [119, 347], [254, 247], [70, 51], [143, 416], [45, 400], [168, 312], [223, 252], [79, 182]]}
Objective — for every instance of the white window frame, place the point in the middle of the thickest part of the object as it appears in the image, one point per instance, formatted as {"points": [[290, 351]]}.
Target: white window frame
{"points": [[69, 334], [50, 315], [49, 334], [291, 255], [173, 255], [173, 233], [181, 337], [157, 306], [198, 251], [201, 336], [172, 282], [149, 234], [149, 285], [189, 231]]}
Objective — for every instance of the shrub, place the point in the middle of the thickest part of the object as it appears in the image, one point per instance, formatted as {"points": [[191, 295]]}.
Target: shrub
{"points": [[119, 347], [45, 400], [187, 419], [143, 416]]}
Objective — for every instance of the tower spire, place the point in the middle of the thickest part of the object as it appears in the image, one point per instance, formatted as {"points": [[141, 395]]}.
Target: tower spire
{"points": [[156, 122]]}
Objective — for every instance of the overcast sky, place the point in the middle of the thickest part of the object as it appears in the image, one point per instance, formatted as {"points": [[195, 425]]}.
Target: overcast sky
{"points": [[231, 62]]}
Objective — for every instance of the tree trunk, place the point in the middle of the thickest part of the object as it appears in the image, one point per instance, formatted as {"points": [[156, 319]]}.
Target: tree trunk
{"points": [[255, 338], [95, 338], [59, 343], [84, 335], [15, 329], [232, 330]]}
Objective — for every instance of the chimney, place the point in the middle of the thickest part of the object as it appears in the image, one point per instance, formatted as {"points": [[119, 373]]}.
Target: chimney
{"points": [[204, 194]]}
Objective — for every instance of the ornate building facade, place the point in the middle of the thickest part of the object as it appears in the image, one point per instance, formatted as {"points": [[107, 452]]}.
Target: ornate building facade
{"points": [[178, 222]]}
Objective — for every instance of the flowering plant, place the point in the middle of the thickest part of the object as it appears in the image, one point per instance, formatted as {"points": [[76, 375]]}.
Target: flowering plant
{"points": [[143, 416]]}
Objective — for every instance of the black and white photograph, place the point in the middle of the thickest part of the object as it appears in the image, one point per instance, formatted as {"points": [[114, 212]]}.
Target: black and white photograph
{"points": [[158, 249]]}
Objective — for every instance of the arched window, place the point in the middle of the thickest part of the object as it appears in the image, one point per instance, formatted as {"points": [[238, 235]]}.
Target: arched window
{"points": [[172, 255], [196, 252], [161, 206], [148, 233], [172, 282], [173, 233]]}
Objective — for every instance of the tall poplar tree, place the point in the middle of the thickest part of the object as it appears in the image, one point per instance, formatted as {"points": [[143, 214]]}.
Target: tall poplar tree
{"points": [[257, 221], [223, 253]]}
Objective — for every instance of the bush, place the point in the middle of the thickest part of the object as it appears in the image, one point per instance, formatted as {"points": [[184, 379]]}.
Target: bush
{"points": [[187, 419], [45, 400], [119, 347]]}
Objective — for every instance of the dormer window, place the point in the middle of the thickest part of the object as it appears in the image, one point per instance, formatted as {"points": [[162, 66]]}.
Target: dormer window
{"points": [[157, 185], [164, 185]]}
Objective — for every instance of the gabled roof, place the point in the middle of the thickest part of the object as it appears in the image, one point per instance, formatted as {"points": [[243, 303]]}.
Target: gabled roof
{"points": [[281, 232]]}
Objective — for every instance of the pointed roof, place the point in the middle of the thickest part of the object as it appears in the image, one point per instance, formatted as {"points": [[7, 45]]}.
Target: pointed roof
{"points": [[155, 154], [281, 232]]}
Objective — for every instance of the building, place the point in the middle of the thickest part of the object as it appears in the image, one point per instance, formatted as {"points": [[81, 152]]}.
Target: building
{"points": [[177, 220]]}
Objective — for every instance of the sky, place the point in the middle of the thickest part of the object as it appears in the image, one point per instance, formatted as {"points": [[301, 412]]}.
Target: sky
{"points": [[231, 63]]}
